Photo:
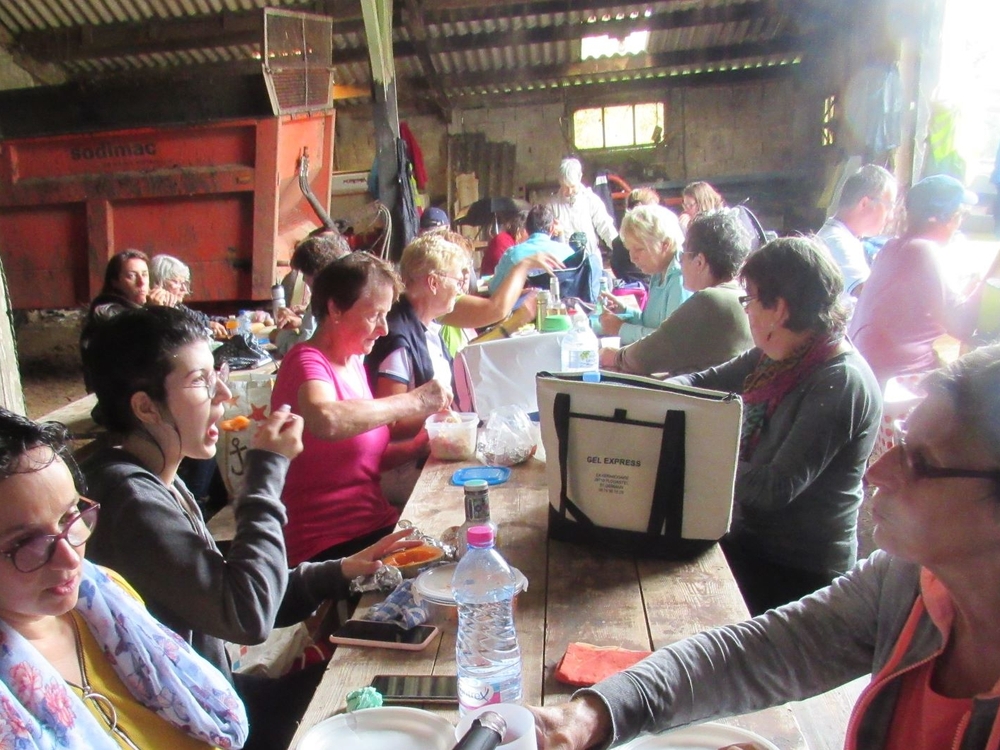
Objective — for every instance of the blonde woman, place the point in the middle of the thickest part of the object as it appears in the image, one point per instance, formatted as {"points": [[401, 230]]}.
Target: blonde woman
{"points": [[654, 240], [434, 272]]}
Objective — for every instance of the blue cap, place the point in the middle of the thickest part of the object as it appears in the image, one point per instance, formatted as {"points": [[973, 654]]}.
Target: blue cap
{"points": [[434, 218], [938, 197]]}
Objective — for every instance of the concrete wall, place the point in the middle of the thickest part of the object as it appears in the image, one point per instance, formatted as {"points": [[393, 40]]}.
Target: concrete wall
{"points": [[750, 128]]}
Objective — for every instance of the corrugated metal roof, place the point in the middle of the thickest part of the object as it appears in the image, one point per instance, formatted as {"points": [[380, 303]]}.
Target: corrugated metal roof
{"points": [[473, 50]]}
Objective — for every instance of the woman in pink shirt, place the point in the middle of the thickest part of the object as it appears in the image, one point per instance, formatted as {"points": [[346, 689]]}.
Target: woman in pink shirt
{"points": [[332, 495]]}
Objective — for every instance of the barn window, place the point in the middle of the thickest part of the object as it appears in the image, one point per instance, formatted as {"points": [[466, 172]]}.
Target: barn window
{"points": [[829, 120], [621, 126]]}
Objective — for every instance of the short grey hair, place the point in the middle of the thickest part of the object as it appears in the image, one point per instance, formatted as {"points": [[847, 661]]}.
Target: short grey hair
{"points": [[570, 172], [973, 384], [164, 268], [868, 182], [650, 226]]}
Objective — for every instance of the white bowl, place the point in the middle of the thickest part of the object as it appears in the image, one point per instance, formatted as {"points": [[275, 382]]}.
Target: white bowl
{"points": [[452, 435]]}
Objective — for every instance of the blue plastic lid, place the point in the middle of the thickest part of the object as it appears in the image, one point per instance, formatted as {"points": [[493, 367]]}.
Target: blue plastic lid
{"points": [[489, 474]]}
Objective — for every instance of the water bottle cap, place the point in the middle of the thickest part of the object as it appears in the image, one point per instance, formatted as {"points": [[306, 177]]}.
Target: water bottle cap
{"points": [[480, 536], [475, 484]]}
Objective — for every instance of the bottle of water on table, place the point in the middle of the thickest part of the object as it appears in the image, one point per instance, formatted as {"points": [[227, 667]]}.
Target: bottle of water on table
{"points": [[487, 655], [580, 347]]}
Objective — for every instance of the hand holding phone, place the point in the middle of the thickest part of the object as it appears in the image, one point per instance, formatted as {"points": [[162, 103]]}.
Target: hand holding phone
{"points": [[384, 635]]}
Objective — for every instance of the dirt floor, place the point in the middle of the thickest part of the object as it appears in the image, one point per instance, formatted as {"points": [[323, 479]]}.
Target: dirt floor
{"points": [[49, 358]]}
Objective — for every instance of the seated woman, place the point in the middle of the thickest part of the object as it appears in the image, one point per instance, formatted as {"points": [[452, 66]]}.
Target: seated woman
{"points": [[654, 241], [711, 327], [332, 494], [510, 234], [920, 616], [696, 199], [126, 287], [621, 263], [173, 276], [434, 272], [472, 311], [811, 409], [156, 384], [83, 665]]}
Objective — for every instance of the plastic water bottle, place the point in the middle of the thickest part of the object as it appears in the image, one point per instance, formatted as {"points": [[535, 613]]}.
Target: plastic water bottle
{"points": [[277, 300], [579, 347], [487, 656]]}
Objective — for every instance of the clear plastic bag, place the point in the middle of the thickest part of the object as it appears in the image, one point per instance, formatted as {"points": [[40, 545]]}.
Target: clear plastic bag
{"points": [[508, 438]]}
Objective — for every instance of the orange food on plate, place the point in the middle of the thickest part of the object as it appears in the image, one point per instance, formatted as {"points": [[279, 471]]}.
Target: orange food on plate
{"points": [[235, 424], [415, 555]]}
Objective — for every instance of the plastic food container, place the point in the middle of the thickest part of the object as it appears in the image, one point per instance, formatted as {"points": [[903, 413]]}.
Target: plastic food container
{"points": [[452, 435]]}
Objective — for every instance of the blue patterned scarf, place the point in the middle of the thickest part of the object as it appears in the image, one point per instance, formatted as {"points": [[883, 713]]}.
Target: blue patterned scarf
{"points": [[39, 710]]}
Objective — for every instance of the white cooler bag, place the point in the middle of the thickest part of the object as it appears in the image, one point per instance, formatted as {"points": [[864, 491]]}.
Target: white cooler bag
{"points": [[636, 465], [502, 373]]}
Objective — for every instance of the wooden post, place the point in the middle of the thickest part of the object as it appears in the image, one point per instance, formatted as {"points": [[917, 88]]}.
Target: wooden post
{"points": [[11, 395]]}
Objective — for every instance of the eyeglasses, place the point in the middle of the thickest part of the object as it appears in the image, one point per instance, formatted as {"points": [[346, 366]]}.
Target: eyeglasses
{"points": [[746, 299], [461, 280], [183, 284], [917, 468], [212, 380], [34, 552]]}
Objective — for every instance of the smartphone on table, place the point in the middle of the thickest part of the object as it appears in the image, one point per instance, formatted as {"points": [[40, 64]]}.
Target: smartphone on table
{"points": [[384, 635], [419, 688]]}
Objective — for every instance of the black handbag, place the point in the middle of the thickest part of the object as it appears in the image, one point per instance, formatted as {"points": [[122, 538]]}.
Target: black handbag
{"points": [[241, 352], [581, 278]]}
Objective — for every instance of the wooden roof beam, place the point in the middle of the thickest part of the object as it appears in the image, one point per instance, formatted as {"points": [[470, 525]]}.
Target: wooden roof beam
{"points": [[633, 64], [418, 32]]}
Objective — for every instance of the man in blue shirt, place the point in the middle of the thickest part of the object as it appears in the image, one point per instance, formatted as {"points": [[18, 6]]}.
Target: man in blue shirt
{"points": [[539, 225]]}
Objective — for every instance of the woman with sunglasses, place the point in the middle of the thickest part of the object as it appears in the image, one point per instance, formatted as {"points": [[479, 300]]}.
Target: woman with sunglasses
{"points": [[162, 399], [83, 665], [920, 615], [811, 409]]}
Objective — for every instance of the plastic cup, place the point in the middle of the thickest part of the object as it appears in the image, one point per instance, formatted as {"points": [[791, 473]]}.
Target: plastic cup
{"points": [[520, 725], [453, 435]]}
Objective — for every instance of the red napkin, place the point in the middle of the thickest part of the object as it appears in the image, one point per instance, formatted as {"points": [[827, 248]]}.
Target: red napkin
{"points": [[584, 664]]}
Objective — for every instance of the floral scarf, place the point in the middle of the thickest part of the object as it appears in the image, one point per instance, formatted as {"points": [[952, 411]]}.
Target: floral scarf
{"points": [[772, 380], [39, 710]]}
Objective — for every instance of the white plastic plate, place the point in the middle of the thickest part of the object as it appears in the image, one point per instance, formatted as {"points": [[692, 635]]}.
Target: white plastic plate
{"points": [[434, 585], [387, 728], [701, 737]]}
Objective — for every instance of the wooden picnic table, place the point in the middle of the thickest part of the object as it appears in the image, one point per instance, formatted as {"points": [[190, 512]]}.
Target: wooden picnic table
{"points": [[574, 594]]}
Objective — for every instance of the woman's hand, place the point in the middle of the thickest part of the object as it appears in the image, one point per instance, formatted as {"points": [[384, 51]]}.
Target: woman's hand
{"points": [[611, 324], [218, 330], [607, 357], [611, 303], [161, 297], [543, 262], [368, 560], [287, 319], [433, 396], [581, 723], [281, 433]]}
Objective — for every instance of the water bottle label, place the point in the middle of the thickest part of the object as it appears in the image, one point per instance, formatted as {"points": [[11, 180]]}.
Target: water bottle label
{"points": [[582, 359], [474, 693]]}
